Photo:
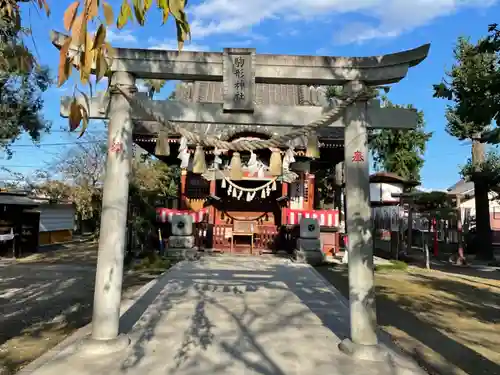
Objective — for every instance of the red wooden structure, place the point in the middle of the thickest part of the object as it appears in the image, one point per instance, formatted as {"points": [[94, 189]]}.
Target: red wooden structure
{"points": [[275, 214], [273, 223]]}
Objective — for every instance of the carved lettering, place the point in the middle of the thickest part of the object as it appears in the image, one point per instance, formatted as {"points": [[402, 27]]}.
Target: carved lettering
{"points": [[239, 81]]}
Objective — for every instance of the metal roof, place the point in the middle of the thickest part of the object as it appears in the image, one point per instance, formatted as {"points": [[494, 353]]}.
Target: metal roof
{"points": [[461, 187], [16, 200]]}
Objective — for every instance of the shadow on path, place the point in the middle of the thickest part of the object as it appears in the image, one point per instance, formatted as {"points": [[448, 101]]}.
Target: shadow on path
{"points": [[228, 316], [403, 315]]}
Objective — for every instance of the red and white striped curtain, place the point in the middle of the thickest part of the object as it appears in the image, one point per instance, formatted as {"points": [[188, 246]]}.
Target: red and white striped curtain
{"points": [[164, 215], [327, 218]]}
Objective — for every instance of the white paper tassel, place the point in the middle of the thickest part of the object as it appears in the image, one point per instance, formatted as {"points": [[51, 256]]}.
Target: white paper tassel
{"points": [[183, 153], [268, 190], [240, 194], [185, 160], [261, 172], [235, 193], [223, 183], [249, 197], [252, 164], [288, 159], [273, 188], [263, 194], [217, 159], [229, 190]]}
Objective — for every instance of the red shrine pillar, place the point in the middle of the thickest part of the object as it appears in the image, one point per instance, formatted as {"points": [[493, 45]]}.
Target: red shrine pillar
{"points": [[284, 193], [311, 182], [211, 217], [182, 190]]}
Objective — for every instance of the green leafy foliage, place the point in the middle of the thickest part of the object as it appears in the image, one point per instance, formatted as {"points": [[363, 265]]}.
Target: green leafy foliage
{"points": [[473, 88], [78, 176], [491, 45], [153, 262], [152, 181], [487, 170], [21, 86], [397, 151], [433, 200], [470, 87], [154, 86]]}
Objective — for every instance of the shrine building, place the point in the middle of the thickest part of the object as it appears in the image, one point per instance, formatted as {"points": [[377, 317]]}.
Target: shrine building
{"points": [[269, 206]]}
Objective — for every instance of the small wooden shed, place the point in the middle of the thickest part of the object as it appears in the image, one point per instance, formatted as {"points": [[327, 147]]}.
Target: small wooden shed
{"points": [[19, 224]]}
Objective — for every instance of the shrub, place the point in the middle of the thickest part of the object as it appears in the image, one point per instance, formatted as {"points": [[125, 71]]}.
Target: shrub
{"points": [[395, 265], [153, 262]]}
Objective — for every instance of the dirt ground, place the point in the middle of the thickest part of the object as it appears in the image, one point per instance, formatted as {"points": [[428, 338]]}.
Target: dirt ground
{"points": [[449, 322], [44, 298], [81, 253]]}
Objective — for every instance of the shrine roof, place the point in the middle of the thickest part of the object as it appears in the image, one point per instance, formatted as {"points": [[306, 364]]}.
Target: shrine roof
{"points": [[388, 177], [266, 94], [232, 131]]}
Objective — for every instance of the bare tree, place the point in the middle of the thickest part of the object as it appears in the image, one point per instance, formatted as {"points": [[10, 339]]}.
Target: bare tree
{"points": [[84, 164], [81, 168]]}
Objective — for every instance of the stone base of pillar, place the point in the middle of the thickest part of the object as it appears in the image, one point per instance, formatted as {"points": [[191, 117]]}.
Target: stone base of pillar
{"points": [[364, 352], [95, 347]]}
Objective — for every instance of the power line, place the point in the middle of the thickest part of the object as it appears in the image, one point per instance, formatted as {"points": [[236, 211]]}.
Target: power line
{"points": [[19, 166], [55, 144], [72, 132]]}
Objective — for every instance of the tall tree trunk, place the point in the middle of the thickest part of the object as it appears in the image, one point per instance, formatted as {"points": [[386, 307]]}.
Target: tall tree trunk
{"points": [[484, 249]]}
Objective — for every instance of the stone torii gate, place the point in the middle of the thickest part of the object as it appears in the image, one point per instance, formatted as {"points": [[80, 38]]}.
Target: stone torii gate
{"points": [[240, 70]]}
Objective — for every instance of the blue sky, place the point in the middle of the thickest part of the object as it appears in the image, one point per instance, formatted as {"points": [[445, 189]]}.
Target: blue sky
{"points": [[325, 27]]}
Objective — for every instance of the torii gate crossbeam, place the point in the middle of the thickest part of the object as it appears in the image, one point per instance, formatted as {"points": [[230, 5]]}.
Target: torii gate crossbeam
{"points": [[240, 69]]}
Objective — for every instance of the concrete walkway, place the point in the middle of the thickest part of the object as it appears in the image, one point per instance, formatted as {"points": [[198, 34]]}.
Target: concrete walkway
{"points": [[228, 315]]}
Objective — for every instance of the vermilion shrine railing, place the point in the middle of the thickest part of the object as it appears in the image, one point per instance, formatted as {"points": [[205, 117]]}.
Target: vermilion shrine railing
{"points": [[163, 215], [266, 236], [220, 236], [326, 218]]}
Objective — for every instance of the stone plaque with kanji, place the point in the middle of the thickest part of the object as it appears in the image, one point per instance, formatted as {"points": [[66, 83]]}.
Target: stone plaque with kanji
{"points": [[239, 79]]}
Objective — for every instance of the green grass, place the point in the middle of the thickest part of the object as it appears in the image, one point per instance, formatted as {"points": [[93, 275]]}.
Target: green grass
{"points": [[152, 262], [396, 265]]}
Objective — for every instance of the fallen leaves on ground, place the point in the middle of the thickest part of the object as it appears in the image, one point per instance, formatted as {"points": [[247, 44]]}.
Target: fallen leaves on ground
{"points": [[449, 322]]}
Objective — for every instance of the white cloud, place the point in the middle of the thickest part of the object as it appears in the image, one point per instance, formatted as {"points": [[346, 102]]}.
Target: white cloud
{"points": [[172, 45], [388, 18], [120, 36]]}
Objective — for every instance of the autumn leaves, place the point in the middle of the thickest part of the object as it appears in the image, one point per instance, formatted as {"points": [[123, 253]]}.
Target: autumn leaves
{"points": [[95, 53], [91, 53]]}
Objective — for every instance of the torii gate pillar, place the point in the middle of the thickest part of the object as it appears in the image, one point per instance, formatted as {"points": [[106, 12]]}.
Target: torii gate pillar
{"points": [[109, 274], [363, 320]]}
